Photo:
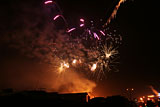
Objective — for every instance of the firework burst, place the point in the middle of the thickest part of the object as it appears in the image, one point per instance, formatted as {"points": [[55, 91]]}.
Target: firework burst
{"points": [[87, 48]]}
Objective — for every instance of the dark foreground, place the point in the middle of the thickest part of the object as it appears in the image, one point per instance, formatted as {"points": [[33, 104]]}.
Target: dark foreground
{"points": [[41, 98]]}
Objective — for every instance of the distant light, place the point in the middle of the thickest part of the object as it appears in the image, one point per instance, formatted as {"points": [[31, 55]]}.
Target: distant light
{"points": [[132, 89], [127, 89], [141, 98], [158, 94], [151, 96]]}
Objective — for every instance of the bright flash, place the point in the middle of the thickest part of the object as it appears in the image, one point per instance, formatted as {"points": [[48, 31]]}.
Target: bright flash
{"points": [[94, 66], [109, 51], [66, 65], [74, 61], [63, 66], [108, 54]]}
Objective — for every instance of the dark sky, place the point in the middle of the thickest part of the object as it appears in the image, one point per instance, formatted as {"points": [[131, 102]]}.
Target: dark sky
{"points": [[137, 22]]}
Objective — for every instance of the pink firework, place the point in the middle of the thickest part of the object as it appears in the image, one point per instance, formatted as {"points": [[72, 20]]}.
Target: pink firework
{"points": [[102, 32], [48, 2], [82, 20], [70, 30], [96, 36], [57, 16], [81, 25]]}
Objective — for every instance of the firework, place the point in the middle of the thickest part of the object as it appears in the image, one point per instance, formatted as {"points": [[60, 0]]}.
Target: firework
{"points": [[94, 50], [113, 15], [74, 61], [57, 16], [102, 32], [48, 2], [70, 30]]}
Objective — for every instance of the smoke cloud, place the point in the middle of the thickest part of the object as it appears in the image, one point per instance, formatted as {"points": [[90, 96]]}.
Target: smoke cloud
{"points": [[29, 46]]}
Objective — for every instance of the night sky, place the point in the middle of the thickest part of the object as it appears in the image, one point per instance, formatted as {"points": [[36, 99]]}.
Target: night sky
{"points": [[137, 22]]}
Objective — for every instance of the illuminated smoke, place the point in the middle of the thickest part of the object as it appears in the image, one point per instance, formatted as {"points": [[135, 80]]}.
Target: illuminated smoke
{"points": [[41, 54]]}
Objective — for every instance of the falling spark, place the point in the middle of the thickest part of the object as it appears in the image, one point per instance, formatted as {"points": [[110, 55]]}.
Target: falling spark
{"points": [[57, 16], [48, 2], [82, 20], [81, 25], [89, 32], [94, 66], [95, 35], [113, 15], [70, 30], [102, 32]]}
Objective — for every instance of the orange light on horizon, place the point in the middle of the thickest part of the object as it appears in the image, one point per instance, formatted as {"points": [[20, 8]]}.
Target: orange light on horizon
{"points": [[151, 96]]}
